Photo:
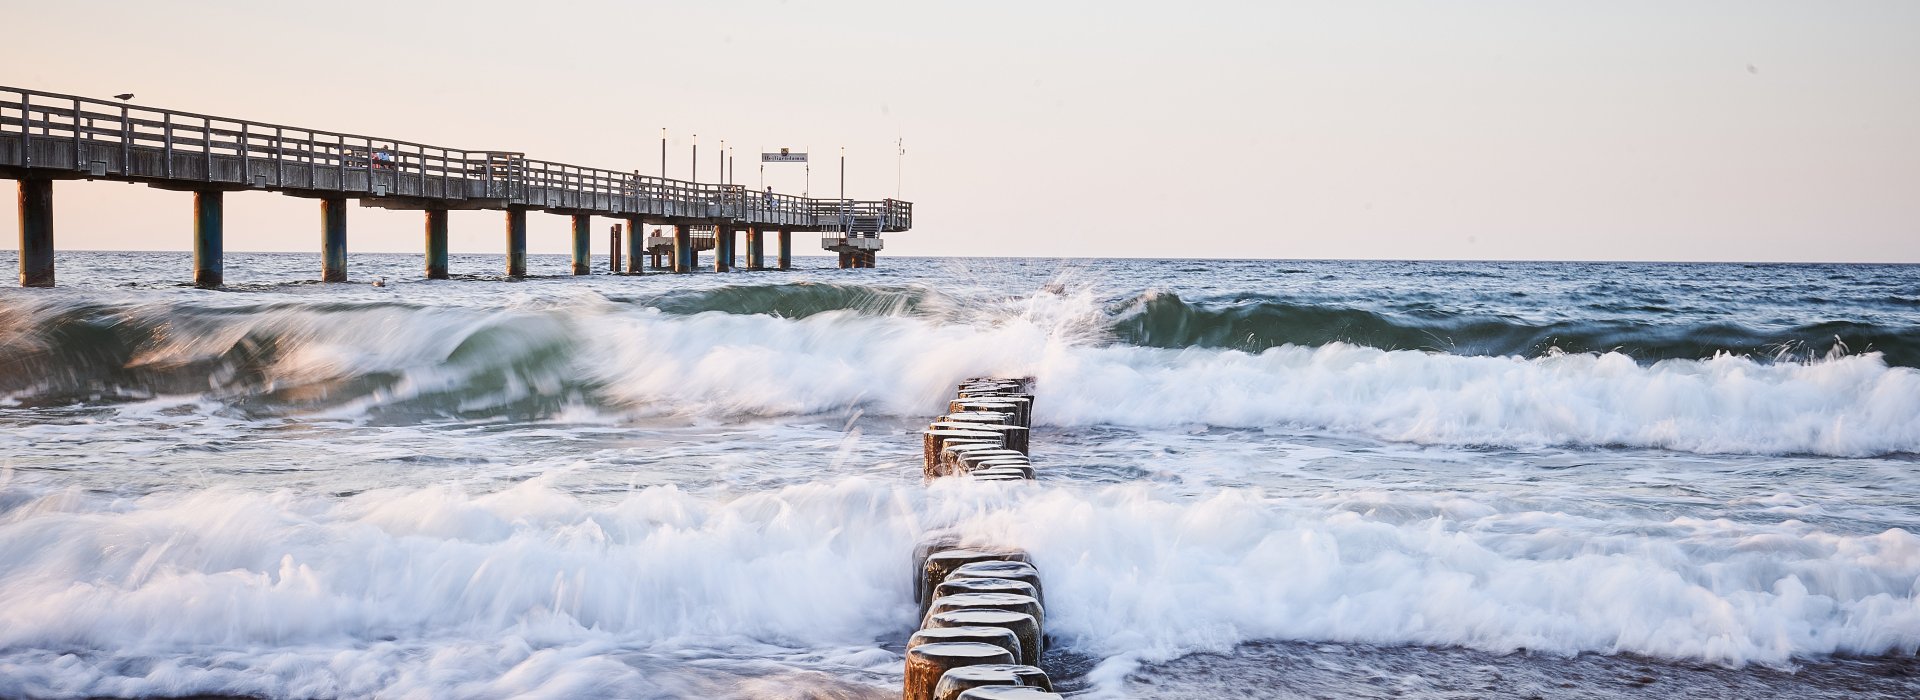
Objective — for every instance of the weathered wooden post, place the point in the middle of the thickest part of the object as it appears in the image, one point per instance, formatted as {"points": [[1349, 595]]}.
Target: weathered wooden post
{"points": [[582, 244], [208, 239], [436, 243], [516, 241], [1021, 624], [36, 232], [928, 662], [1007, 692], [959, 680], [333, 239]]}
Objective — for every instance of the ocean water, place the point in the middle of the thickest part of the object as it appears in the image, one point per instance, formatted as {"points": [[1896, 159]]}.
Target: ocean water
{"points": [[1258, 478]]}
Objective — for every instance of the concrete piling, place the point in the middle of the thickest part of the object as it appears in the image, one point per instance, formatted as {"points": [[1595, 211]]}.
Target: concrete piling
{"points": [[36, 233], [722, 248], [333, 239], [684, 256], [786, 249], [209, 239], [582, 244], [436, 244], [636, 245], [516, 241]]}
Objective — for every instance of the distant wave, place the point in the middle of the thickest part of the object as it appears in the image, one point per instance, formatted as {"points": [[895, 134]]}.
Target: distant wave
{"points": [[1164, 320], [796, 300], [402, 362]]}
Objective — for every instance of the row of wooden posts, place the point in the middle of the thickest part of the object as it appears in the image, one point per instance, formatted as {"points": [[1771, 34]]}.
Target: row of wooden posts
{"points": [[982, 610]]}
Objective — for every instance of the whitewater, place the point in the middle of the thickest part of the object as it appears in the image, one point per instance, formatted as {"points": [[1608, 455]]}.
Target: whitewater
{"points": [[1383, 478]]}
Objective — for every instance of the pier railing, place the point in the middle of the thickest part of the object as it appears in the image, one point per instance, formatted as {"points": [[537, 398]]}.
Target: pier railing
{"points": [[86, 137]]}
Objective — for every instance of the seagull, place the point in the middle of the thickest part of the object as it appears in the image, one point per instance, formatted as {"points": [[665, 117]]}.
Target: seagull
{"points": [[382, 282], [123, 96]]}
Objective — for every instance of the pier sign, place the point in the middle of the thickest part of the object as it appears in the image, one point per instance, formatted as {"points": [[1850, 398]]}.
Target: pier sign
{"points": [[784, 156]]}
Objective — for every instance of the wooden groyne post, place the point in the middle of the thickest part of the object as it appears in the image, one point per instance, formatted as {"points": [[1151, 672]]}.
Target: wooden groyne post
{"points": [[982, 627]]}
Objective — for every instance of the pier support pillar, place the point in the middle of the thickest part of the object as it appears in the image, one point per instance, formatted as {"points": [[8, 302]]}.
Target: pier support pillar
{"points": [[582, 244], [208, 238], [786, 249], [36, 233], [636, 244], [756, 251], [436, 244], [684, 255], [333, 239], [516, 242], [846, 260], [722, 248]]}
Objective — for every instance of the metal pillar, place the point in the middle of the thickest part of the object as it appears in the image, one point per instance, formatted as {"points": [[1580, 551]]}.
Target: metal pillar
{"points": [[684, 255], [722, 248], [207, 239], [846, 260], [636, 244], [36, 233], [516, 242], [756, 250], [436, 244], [333, 239], [582, 244], [786, 249]]}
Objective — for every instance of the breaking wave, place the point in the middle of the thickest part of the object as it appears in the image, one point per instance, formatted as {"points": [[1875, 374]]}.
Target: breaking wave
{"points": [[396, 360]]}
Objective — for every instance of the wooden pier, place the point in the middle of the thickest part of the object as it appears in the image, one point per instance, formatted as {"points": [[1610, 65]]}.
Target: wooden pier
{"points": [[46, 137]]}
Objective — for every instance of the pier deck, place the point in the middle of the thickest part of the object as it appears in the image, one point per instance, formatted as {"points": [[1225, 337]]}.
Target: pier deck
{"points": [[48, 136]]}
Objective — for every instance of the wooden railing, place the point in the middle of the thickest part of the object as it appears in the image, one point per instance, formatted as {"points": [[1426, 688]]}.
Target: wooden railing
{"points": [[108, 138]]}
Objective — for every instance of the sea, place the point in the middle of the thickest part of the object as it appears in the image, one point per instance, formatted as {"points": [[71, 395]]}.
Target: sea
{"points": [[1257, 478]]}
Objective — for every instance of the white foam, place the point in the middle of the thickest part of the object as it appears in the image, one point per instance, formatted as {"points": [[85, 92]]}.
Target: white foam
{"points": [[1853, 405], [533, 591]]}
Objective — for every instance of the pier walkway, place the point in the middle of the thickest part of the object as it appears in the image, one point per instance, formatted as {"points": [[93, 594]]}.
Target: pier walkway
{"points": [[46, 137]]}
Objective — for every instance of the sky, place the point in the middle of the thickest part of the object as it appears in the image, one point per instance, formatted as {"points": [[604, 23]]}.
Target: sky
{"points": [[1530, 130]]}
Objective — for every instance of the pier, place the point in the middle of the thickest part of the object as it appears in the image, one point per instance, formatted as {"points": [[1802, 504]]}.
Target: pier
{"points": [[46, 137]]}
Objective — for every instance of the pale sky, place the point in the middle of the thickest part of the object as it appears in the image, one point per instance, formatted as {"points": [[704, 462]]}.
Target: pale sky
{"points": [[1664, 130]]}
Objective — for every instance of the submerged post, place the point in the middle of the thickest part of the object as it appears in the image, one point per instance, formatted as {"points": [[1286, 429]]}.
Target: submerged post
{"points": [[207, 239], [722, 247], [333, 239], [436, 244], [636, 244], [786, 249], [516, 242], [36, 233], [582, 244]]}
